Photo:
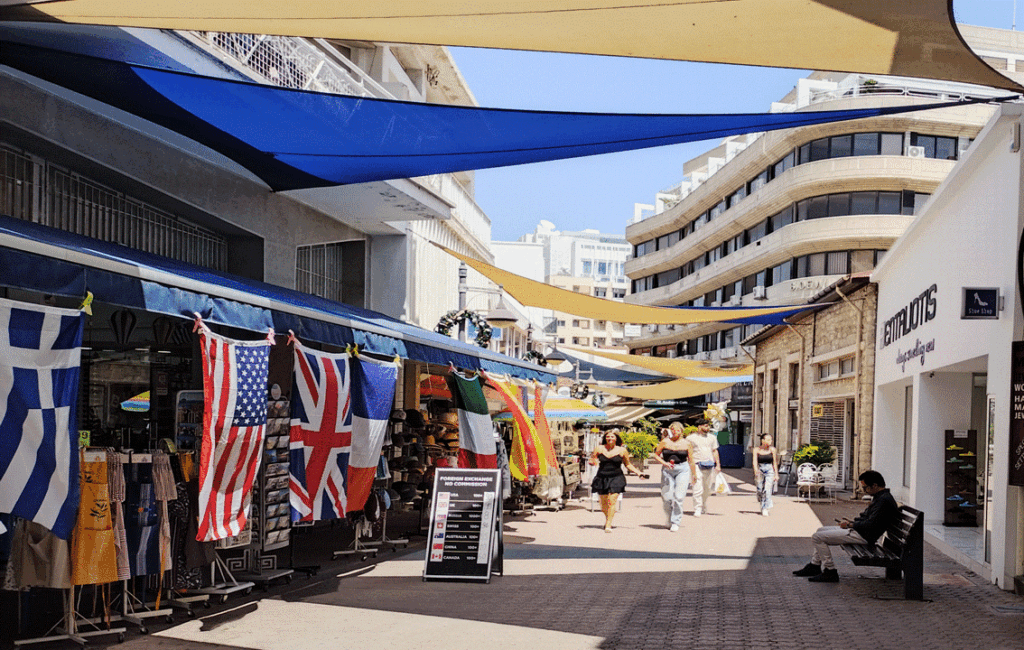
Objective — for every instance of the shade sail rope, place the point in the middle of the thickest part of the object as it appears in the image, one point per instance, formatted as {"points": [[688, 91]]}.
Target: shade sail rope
{"points": [[538, 294]]}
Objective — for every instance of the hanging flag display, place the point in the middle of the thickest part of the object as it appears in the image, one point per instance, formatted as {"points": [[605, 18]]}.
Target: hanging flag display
{"points": [[527, 456], [234, 421], [40, 357], [339, 139], [373, 395], [321, 434], [476, 433]]}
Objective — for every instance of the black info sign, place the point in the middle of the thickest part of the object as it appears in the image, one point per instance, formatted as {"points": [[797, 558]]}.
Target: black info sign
{"points": [[465, 525]]}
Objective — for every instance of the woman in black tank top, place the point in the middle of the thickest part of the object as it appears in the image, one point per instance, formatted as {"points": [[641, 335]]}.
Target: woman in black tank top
{"points": [[677, 472], [766, 472], [611, 458]]}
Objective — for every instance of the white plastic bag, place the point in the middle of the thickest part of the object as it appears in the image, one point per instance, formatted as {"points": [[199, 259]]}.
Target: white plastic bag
{"points": [[721, 485]]}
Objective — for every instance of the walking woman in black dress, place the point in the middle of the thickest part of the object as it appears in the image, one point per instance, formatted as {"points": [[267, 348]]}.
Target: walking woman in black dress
{"points": [[610, 481]]}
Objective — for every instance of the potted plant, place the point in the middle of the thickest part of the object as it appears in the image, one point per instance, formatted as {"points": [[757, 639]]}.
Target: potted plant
{"points": [[640, 445], [816, 452]]}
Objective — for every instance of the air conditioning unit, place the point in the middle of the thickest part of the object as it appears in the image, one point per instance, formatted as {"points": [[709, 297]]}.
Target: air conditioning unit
{"points": [[915, 152], [727, 353], [652, 329], [735, 300], [759, 293]]}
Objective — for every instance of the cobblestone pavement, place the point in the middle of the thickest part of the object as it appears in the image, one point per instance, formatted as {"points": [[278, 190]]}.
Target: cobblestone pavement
{"points": [[722, 581]]}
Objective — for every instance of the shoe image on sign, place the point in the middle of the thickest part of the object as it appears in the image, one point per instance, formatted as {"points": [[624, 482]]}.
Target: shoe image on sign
{"points": [[954, 459], [967, 454], [954, 447], [966, 504], [967, 466], [955, 497]]}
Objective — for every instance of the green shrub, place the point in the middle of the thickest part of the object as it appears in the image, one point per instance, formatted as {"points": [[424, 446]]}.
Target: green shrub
{"points": [[817, 452], [639, 443]]}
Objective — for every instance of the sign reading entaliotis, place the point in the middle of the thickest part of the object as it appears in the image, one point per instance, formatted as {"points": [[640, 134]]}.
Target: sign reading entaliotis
{"points": [[1017, 415], [465, 525]]}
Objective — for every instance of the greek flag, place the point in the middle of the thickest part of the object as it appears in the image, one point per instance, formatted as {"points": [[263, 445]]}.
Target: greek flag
{"points": [[40, 355]]}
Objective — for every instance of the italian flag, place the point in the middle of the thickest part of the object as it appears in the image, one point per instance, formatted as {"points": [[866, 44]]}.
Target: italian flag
{"points": [[476, 436]]}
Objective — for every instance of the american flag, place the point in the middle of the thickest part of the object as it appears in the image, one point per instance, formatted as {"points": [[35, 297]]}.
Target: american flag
{"points": [[234, 421], [321, 435], [40, 356]]}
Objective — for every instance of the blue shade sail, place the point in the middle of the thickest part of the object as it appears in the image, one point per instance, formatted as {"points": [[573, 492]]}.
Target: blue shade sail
{"points": [[294, 139]]}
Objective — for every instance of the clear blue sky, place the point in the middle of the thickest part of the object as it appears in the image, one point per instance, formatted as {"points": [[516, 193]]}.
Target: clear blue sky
{"points": [[599, 191]]}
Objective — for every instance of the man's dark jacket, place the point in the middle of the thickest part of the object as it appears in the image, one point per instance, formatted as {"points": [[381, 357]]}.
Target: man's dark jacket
{"points": [[877, 517]]}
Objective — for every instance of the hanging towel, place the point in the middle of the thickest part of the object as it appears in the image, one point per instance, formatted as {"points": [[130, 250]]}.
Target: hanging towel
{"points": [[93, 541], [115, 474]]}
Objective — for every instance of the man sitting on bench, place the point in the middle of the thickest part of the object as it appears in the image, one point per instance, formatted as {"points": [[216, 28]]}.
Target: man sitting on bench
{"points": [[865, 529]]}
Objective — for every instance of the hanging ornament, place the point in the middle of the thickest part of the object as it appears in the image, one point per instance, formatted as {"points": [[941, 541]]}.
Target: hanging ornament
{"points": [[163, 327], [122, 322]]}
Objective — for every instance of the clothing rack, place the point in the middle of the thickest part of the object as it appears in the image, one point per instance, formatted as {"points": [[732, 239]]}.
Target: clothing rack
{"points": [[364, 549], [69, 626]]}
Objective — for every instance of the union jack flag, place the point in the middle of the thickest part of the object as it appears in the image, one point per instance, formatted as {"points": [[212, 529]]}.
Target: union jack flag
{"points": [[234, 421], [40, 356], [321, 435]]}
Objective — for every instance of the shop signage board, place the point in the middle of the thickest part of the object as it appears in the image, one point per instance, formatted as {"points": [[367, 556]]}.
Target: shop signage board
{"points": [[465, 525], [980, 303], [1017, 414]]}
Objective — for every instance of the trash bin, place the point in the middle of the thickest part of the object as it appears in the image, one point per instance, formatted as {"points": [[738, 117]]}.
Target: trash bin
{"points": [[731, 455]]}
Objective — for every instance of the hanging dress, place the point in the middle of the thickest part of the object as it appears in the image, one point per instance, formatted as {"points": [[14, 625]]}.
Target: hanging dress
{"points": [[93, 541]]}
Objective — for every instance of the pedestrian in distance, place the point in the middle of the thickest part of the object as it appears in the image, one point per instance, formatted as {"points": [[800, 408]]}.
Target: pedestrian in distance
{"points": [[677, 472], [611, 457], [766, 472], [866, 528], [704, 451]]}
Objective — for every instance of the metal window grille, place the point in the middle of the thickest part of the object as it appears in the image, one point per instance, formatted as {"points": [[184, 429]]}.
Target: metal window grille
{"points": [[318, 270], [38, 191]]}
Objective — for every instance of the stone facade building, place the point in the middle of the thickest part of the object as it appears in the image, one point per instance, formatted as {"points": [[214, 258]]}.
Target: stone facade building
{"points": [[813, 378]]}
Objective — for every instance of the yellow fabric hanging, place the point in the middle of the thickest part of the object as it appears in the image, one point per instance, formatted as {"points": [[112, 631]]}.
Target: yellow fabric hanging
{"points": [[537, 294], [93, 554], [912, 38], [675, 389], [674, 367]]}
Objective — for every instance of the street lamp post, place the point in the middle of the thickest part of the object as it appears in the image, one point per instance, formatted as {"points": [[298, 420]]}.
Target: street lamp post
{"points": [[463, 274]]}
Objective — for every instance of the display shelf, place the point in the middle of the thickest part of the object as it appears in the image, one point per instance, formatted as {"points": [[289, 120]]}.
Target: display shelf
{"points": [[961, 474]]}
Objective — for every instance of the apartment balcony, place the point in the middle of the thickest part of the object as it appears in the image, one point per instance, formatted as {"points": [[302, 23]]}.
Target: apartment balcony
{"points": [[853, 174], [956, 121], [802, 238]]}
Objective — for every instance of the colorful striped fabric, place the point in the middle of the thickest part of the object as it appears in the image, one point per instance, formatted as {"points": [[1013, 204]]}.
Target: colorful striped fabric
{"points": [[527, 457], [540, 421], [234, 422], [476, 432]]}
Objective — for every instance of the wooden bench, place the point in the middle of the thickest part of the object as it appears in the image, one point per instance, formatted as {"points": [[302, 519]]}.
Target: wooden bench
{"points": [[900, 551]]}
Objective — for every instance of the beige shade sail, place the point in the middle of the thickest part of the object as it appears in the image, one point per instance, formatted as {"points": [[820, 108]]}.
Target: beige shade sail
{"points": [[674, 367], [675, 389], [537, 294], [914, 38]]}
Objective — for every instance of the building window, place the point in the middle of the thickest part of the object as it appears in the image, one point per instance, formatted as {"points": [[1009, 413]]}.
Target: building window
{"points": [[561, 339], [794, 381], [587, 267], [602, 268], [600, 341], [561, 322], [847, 366], [829, 370], [618, 293], [600, 292], [581, 340]]}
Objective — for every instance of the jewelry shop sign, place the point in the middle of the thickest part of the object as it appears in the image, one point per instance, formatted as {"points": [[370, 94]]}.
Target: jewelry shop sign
{"points": [[1017, 415]]}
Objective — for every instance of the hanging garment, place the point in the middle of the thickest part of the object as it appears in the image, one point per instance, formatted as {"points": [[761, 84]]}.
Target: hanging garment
{"points": [[141, 519], [115, 481], [39, 558], [164, 491], [182, 576], [93, 541]]}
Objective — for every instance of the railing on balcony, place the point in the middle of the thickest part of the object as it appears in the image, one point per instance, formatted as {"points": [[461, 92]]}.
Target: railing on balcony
{"points": [[292, 62], [466, 210]]}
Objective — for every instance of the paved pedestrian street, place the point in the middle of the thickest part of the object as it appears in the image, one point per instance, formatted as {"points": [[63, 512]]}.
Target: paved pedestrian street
{"points": [[722, 581]]}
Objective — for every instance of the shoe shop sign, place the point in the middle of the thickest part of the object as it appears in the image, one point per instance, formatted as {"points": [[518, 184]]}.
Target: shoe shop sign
{"points": [[465, 525], [1017, 415]]}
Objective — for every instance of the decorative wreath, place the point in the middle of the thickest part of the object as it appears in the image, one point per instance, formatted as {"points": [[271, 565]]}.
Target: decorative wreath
{"points": [[454, 317], [533, 355], [579, 391]]}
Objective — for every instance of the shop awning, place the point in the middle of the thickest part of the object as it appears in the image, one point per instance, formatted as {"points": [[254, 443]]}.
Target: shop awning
{"points": [[675, 389], [914, 38], [562, 408], [53, 261], [538, 294], [626, 414], [294, 139], [675, 367]]}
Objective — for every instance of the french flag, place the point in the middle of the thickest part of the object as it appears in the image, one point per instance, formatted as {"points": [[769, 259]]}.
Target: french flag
{"points": [[373, 394]]}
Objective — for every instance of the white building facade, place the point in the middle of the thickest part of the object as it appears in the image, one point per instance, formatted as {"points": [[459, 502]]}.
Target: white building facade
{"points": [[949, 425]]}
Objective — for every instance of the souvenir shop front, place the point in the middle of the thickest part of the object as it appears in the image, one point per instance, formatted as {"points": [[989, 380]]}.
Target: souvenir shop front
{"points": [[949, 361], [154, 354]]}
